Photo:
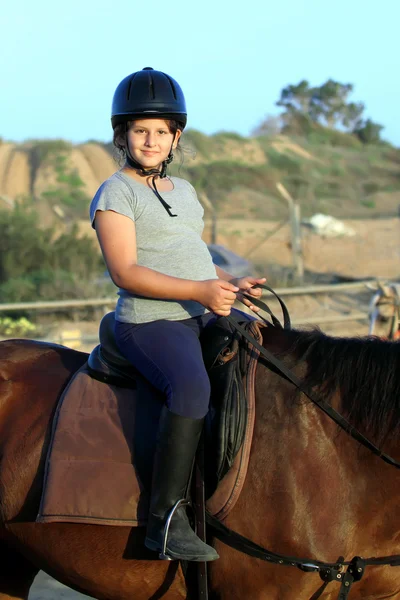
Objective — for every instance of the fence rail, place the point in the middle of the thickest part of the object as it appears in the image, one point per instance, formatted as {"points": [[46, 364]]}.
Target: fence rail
{"points": [[76, 338], [61, 305], [83, 339]]}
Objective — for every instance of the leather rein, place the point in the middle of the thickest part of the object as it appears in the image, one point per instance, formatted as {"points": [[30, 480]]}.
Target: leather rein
{"points": [[327, 571]]}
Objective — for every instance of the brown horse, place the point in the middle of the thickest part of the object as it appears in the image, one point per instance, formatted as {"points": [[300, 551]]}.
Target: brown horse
{"points": [[311, 490]]}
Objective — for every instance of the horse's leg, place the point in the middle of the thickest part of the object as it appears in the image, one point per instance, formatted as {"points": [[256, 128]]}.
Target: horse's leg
{"points": [[16, 574]]}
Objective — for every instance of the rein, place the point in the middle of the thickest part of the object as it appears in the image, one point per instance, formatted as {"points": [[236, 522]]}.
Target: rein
{"points": [[327, 571]]}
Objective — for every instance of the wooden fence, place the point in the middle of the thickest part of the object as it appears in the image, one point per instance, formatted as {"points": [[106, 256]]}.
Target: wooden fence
{"points": [[75, 338], [66, 305]]}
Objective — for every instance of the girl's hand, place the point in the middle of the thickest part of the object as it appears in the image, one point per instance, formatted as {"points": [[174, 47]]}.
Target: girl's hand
{"points": [[217, 295], [245, 284]]}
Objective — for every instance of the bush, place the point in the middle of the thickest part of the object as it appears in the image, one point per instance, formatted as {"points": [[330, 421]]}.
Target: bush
{"points": [[284, 162], [333, 137], [198, 140], [369, 132], [18, 289], [23, 245], [16, 327], [368, 203], [392, 154], [298, 124], [70, 191], [41, 150], [228, 135], [35, 263], [221, 177], [371, 187]]}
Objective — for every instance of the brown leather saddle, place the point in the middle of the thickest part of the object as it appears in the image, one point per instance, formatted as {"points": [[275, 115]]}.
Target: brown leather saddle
{"points": [[226, 358]]}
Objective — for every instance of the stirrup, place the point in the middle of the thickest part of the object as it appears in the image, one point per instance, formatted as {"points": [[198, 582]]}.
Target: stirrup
{"points": [[184, 502]]}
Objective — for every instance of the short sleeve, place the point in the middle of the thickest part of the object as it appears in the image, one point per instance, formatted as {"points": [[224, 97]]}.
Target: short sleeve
{"points": [[191, 188], [195, 197], [114, 194]]}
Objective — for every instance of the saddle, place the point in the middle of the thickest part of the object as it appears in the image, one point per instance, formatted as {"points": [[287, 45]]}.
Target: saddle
{"points": [[100, 456], [226, 362]]}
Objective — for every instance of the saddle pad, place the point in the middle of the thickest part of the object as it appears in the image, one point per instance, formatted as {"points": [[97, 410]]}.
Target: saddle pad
{"points": [[90, 474]]}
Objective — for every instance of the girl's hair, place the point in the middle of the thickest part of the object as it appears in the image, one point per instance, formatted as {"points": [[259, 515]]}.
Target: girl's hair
{"points": [[119, 132]]}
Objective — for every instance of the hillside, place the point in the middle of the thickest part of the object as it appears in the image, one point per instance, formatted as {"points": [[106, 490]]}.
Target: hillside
{"points": [[331, 173]]}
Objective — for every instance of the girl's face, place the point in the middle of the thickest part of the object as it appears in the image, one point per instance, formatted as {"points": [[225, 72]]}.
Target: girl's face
{"points": [[150, 141]]}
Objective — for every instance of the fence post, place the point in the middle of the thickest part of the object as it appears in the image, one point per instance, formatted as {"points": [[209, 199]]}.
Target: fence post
{"points": [[295, 227]]}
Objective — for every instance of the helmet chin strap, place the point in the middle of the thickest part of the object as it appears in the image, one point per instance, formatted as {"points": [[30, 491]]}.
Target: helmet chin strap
{"points": [[134, 164]]}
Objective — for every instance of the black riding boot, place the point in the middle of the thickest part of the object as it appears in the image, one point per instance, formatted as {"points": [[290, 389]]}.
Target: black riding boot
{"points": [[177, 441]]}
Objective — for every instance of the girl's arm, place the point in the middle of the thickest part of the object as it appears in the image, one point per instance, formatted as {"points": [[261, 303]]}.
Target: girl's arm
{"points": [[223, 274], [117, 238]]}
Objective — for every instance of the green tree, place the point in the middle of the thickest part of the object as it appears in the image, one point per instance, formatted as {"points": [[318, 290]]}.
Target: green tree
{"points": [[368, 132], [329, 104], [296, 102], [70, 189], [352, 115], [326, 105], [41, 151], [296, 98], [23, 245], [36, 263]]}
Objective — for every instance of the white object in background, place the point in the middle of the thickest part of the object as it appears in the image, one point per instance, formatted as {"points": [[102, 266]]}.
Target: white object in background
{"points": [[329, 226]]}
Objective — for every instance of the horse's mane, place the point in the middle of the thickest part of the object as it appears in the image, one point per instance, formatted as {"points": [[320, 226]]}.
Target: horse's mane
{"points": [[366, 371]]}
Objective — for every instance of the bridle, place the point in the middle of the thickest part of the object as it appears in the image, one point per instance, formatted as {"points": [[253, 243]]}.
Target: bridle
{"points": [[327, 571]]}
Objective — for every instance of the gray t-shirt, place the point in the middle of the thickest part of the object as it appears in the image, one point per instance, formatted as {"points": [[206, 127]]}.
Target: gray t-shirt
{"points": [[169, 245]]}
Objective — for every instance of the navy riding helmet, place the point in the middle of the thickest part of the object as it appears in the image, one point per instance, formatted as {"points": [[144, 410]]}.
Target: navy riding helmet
{"points": [[148, 93]]}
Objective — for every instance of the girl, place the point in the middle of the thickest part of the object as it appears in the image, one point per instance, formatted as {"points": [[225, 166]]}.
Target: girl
{"points": [[149, 228]]}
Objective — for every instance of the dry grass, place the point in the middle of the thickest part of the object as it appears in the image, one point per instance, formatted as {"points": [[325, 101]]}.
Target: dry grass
{"points": [[283, 144]]}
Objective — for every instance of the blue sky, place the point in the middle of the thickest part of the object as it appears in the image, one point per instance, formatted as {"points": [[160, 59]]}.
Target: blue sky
{"points": [[60, 62]]}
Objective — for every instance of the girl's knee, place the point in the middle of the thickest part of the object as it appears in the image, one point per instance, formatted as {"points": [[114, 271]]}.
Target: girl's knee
{"points": [[191, 400]]}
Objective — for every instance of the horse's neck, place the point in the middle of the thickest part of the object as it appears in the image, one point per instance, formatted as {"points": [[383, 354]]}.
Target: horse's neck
{"points": [[308, 479]]}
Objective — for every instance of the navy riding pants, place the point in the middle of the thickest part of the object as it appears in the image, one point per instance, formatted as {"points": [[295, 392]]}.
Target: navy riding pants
{"points": [[168, 354]]}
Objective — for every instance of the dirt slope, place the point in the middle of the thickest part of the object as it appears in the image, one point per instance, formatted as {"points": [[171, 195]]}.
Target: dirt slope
{"points": [[91, 161], [247, 152], [46, 178], [6, 151], [17, 178], [78, 161], [100, 161], [284, 144]]}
